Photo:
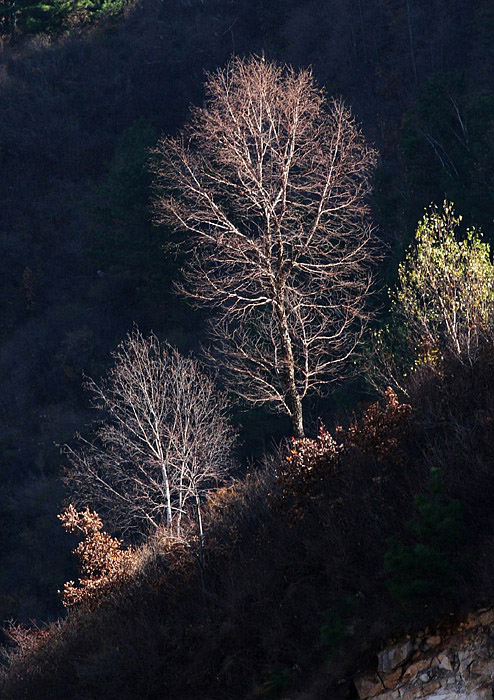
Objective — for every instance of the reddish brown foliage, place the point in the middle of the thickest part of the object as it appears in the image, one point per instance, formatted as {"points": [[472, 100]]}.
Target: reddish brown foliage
{"points": [[381, 429], [305, 469], [103, 562], [311, 463], [25, 639]]}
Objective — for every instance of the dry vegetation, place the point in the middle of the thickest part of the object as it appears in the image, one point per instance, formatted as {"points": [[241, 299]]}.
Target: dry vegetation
{"points": [[294, 580], [103, 563]]}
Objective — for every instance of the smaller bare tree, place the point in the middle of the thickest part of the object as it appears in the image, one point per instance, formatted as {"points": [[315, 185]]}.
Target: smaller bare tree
{"points": [[163, 443]]}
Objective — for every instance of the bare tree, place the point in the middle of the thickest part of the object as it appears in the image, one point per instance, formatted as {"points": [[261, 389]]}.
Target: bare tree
{"points": [[164, 440], [270, 184]]}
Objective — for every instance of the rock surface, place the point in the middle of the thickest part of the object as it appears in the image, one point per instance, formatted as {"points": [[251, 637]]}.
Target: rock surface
{"points": [[456, 662]]}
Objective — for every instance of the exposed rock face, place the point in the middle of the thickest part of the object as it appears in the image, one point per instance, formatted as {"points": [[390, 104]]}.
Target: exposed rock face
{"points": [[456, 663]]}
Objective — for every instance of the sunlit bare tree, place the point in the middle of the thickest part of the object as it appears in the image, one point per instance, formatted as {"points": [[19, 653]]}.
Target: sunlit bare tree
{"points": [[163, 442], [269, 183]]}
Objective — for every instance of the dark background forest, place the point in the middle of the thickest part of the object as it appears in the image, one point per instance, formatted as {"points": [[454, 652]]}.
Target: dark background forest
{"points": [[80, 106]]}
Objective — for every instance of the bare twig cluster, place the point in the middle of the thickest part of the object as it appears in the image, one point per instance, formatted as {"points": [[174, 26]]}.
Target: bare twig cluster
{"points": [[163, 443]]}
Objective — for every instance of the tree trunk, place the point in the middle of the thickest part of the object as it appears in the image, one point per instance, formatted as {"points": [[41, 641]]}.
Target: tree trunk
{"points": [[180, 500], [201, 533], [410, 37], [168, 504], [297, 417], [201, 547], [293, 397]]}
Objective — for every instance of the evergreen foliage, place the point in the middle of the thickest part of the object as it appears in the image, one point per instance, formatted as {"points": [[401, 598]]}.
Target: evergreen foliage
{"points": [[275, 683], [123, 235], [427, 565], [336, 627], [123, 239], [53, 16]]}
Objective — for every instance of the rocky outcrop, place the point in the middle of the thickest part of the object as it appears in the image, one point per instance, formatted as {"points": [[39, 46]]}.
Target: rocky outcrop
{"points": [[453, 662]]}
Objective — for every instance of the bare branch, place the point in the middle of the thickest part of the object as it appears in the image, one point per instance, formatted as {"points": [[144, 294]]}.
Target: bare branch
{"points": [[270, 183], [164, 441]]}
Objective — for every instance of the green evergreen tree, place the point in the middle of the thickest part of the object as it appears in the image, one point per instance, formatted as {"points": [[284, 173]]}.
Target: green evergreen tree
{"points": [[427, 564], [53, 16]]}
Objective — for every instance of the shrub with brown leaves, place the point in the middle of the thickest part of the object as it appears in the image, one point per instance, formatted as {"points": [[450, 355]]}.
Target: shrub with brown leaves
{"points": [[306, 468], [381, 429], [311, 463], [103, 562]]}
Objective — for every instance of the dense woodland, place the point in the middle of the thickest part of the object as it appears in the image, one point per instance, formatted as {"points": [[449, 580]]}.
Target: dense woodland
{"points": [[86, 92]]}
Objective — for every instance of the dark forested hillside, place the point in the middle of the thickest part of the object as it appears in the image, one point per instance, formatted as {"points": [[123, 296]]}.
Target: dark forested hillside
{"points": [[81, 104]]}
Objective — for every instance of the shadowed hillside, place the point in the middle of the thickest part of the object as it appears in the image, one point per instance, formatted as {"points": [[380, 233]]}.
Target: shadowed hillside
{"points": [[308, 563], [86, 90]]}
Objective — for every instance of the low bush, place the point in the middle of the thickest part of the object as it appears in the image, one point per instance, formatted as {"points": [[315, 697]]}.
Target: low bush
{"points": [[103, 562]]}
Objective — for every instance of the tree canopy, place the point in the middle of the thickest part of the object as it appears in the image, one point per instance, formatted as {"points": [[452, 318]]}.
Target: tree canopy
{"points": [[269, 180], [445, 290]]}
